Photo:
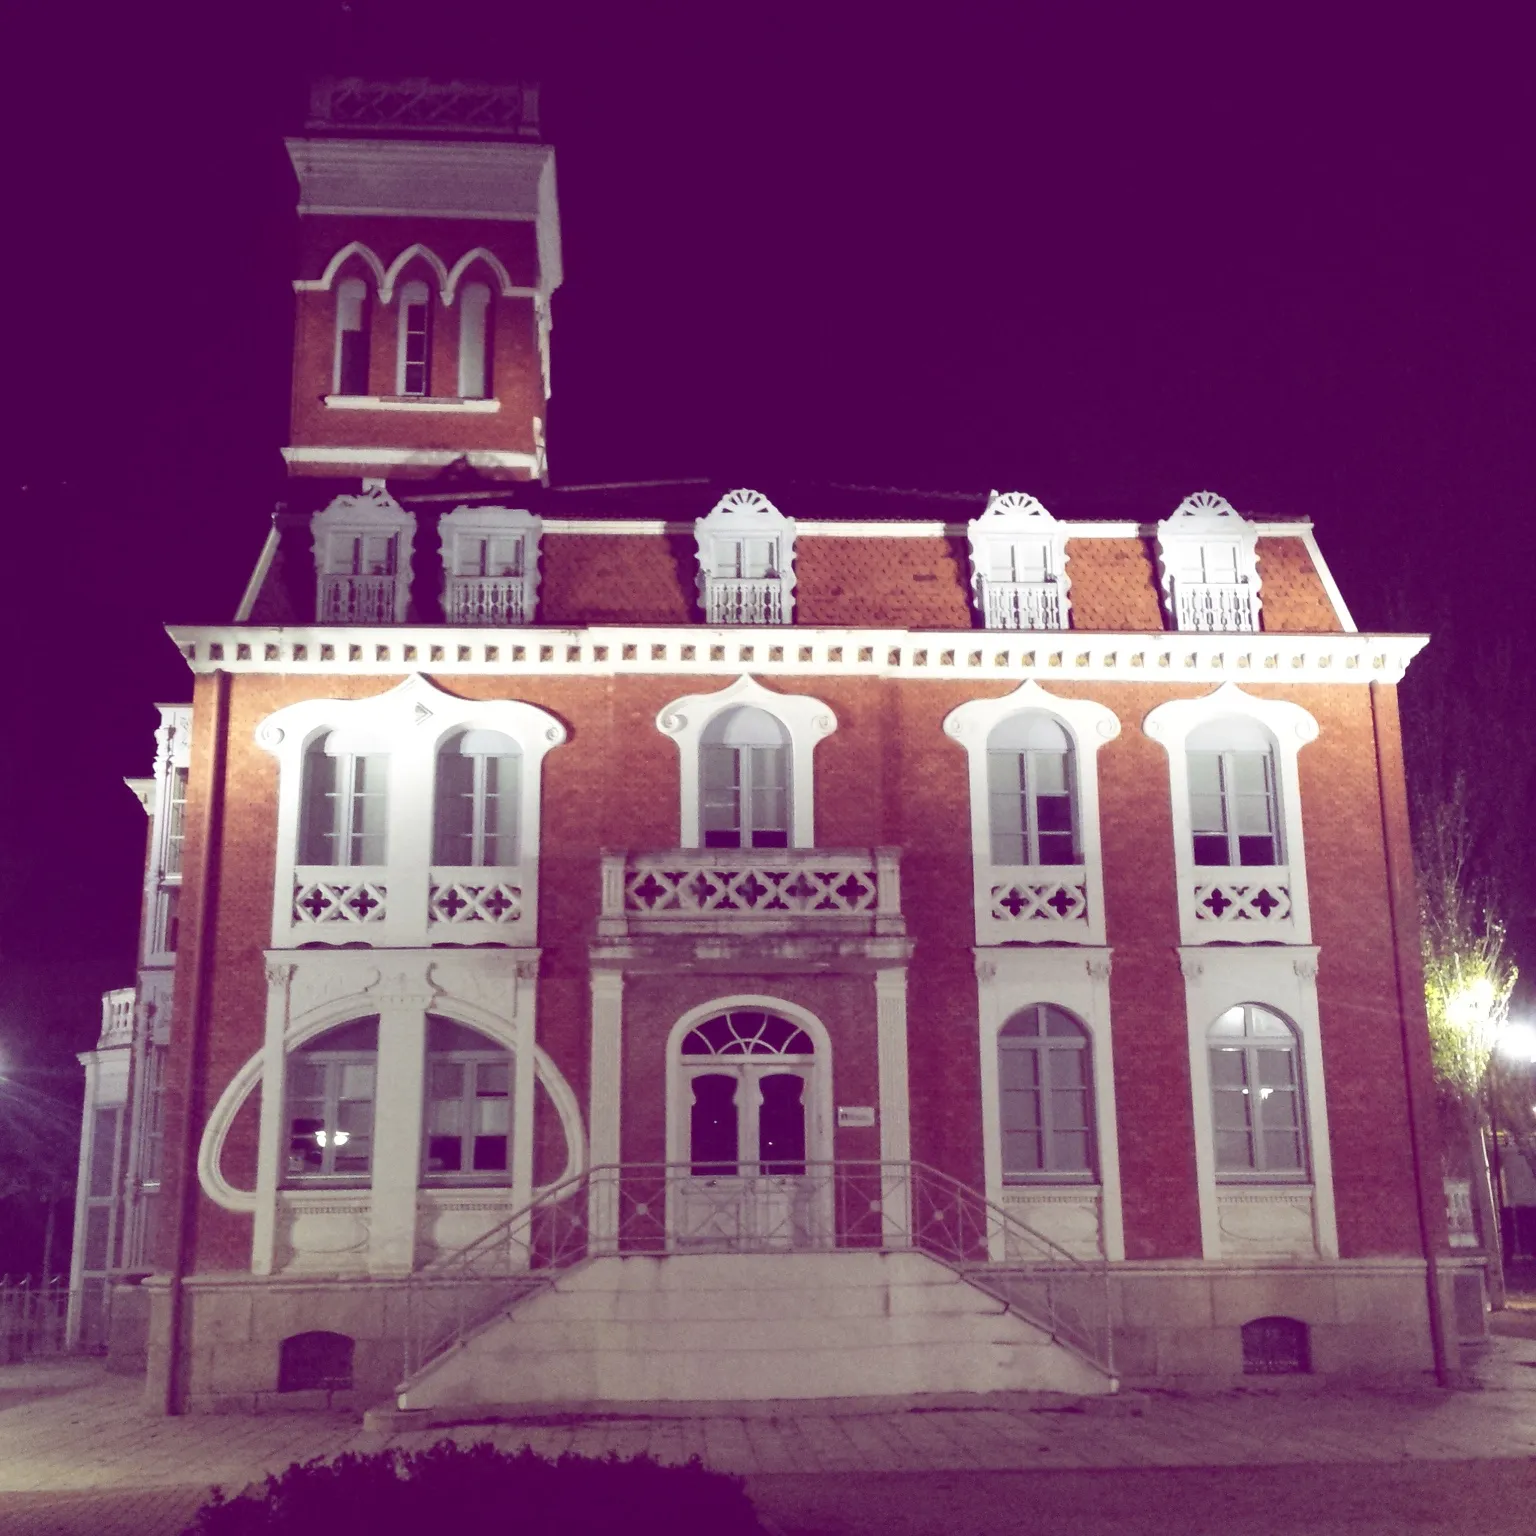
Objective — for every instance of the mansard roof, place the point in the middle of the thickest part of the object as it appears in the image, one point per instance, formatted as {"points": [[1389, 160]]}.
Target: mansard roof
{"points": [[865, 556]]}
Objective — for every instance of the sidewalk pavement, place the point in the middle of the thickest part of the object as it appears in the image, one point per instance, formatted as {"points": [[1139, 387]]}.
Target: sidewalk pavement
{"points": [[78, 1451]]}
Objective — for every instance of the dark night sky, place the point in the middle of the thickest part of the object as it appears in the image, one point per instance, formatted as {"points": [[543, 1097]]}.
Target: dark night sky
{"points": [[1102, 259]]}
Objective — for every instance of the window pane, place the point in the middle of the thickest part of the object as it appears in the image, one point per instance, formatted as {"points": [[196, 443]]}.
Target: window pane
{"points": [[317, 841], [1005, 806], [368, 808], [490, 1154], [767, 769], [1228, 1067], [502, 775], [720, 797], [1232, 1151], [1069, 1151], [781, 1124], [455, 808], [1067, 1065], [445, 1154], [712, 1124]]}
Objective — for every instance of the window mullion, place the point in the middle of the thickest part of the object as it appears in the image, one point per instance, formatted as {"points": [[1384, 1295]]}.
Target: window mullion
{"points": [[1229, 808], [1030, 778], [477, 812]]}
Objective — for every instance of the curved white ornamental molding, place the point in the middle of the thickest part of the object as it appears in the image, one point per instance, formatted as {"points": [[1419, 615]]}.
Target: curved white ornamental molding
{"points": [[1018, 564], [362, 547], [806, 720], [492, 263], [1207, 559], [1045, 903], [490, 565], [403, 260], [409, 901], [356, 248], [746, 552], [1237, 903]]}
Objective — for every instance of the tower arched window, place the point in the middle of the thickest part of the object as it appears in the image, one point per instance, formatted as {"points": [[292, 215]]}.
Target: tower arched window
{"points": [[350, 369], [1030, 798], [1256, 1101], [413, 367], [1045, 1087], [744, 773], [478, 793], [474, 341], [344, 801], [1234, 814]]}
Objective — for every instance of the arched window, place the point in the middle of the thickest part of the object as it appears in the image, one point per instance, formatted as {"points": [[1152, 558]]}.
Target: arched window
{"points": [[330, 1103], [350, 371], [469, 1106], [474, 341], [1255, 1065], [478, 789], [1030, 792], [1232, 794], [744, 780], [413, 360], [344, 800], [1045, 1092]]}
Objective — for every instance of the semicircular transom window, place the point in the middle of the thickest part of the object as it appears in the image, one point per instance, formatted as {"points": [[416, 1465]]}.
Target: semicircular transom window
{"points": [[747, 1032]]}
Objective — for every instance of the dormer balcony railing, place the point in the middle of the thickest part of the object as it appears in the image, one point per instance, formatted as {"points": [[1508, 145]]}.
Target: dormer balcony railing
{"points": [[1212, 607], [358, 599], [487, 600], [752, 890], [738, 600], [1024, 605]]}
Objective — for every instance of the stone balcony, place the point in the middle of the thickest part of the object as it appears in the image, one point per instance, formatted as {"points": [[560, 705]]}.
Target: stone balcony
{"points": [[397, 907], [1245, 904], [749, 891]]}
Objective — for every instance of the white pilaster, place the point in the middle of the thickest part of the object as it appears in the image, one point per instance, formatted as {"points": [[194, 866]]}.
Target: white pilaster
{"points": [[397, 1111], [524, 1068], [271, 1137], [603, 1105], [895, 1101]]}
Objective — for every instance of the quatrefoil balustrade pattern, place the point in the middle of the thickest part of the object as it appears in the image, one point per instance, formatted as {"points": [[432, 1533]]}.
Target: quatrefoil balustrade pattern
{"points": [[1030, 902], [458, 902], [1256, 903], [708, 889], [339, 901]]}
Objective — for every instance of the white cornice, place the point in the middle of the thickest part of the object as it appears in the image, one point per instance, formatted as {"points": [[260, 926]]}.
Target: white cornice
{"points": [[822, 528], [430, 458], [481, 407], [939, 655]]}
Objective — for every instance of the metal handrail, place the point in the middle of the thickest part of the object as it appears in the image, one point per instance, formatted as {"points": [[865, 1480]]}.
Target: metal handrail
{"points": [[674, 1209]]}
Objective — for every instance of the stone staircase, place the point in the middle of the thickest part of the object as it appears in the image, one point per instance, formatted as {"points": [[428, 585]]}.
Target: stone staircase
{"points": [[725, 1327]]}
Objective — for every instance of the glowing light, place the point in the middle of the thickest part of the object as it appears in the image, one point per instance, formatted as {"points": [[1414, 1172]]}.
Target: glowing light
{"points": [[1517, 1042], [333, 1138]]}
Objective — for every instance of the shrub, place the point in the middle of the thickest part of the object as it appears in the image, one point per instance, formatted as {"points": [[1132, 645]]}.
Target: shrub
{"points": [[480, 1488]]}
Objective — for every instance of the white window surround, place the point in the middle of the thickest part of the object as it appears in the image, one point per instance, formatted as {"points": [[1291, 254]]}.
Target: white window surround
{"points": [[807, 721], [370, 520], [489, 598], [1008, 594], [1077, 890], [385, 278], [1087, 1219], [311, 992], [1249, 1217], [1216, 903], [416, 904], [1207, 562], [746, 561]]}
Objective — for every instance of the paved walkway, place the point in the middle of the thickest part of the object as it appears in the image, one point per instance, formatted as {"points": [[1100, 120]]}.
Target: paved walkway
{"points": [[78, 1453]]}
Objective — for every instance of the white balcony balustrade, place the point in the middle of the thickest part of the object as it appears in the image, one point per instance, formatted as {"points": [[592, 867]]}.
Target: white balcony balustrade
{"points": [[1216, 607], [751, 890], [358, 599], [1024, 605], [116, 1017], [1248, 903], [397, 907], [737, 600], [487, 600], [1042, 904]]}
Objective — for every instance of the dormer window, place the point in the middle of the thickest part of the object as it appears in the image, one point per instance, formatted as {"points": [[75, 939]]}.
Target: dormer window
{"points": [[350, 372], [474, 342], [362, 559], [490, 565], [1208, 556], [746, 558], [1018, 565], [413, 365]]}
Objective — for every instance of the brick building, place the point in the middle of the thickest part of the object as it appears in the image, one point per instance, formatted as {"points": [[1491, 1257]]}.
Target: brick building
{"points": [[675, 941]]}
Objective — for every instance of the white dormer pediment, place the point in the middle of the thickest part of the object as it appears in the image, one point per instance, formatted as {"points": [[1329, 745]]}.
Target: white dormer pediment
{"points": [[490, 565], [746, 561], [1207, 556], [1019, 564], [362, 549]]}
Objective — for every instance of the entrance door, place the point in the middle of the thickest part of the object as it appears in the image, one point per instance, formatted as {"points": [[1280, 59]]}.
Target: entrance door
{"points": [[750, 1132]]}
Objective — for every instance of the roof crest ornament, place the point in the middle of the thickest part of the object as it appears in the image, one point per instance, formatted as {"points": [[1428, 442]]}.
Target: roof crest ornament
{"points": [[1207, 504], [1015, 503]]}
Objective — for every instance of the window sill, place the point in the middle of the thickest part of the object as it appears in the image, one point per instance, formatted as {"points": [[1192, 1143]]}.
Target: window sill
{"points": [[438, 403], [1081, 1183]]}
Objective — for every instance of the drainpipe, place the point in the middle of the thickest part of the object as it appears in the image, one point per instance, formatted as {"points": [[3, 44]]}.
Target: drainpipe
{"points": [[1400, 891], [198, 1011]]}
